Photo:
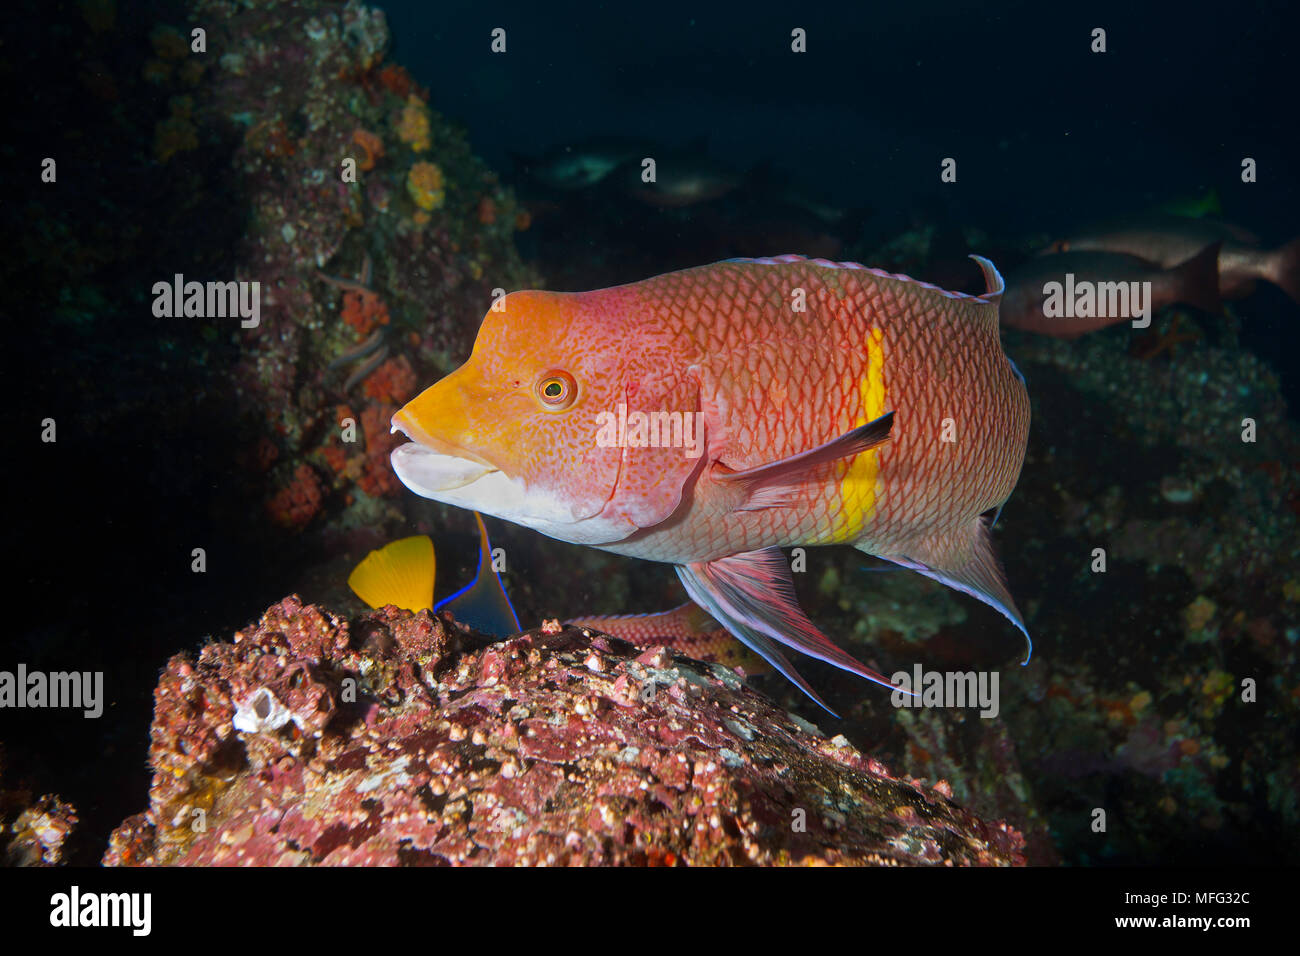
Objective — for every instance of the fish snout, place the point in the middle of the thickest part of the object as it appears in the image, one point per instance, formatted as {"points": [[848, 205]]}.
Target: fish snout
{"points": [[440, 419]]}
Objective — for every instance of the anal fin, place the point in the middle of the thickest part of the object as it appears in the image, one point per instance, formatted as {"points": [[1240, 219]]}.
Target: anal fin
{"points": [[964, 560]]}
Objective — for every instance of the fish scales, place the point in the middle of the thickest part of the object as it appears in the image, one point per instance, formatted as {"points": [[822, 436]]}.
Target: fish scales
{"points": [[787, 381], [825, 403]]}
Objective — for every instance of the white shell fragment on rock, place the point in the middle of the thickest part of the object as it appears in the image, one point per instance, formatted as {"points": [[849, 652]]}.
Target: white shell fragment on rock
{"points": [[261, 712]]}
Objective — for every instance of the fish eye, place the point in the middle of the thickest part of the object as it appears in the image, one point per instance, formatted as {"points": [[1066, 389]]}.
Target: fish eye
{"points": [[556, 390]]}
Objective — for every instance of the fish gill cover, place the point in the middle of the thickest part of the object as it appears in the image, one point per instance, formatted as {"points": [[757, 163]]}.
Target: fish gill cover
{"points": [[688, 310]]}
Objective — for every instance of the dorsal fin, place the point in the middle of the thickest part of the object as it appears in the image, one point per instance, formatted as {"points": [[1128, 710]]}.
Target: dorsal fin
{"points": [[993, 281], [992, 278]]}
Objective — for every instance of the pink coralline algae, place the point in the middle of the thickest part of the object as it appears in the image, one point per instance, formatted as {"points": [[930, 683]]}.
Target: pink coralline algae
{"points": [[401, 738]]}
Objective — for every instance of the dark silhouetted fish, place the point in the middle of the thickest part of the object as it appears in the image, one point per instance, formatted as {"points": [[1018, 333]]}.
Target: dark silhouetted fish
{"points": [[1194, 282], [681, 179], [1170, 240], [584, 164]]}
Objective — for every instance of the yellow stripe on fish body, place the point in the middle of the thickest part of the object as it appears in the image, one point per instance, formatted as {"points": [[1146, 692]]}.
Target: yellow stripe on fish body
{"points": [[860, 485]]}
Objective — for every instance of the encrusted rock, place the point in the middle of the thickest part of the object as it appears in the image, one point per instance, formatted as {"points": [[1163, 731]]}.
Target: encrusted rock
{"points": [[39, 833], [399, 738]]}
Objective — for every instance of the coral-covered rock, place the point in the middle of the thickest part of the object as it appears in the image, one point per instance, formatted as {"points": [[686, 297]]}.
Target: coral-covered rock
{"points": [[32, 833], [40, 832], [296, 503], [425, 184], [400, 738], [360, 220]]}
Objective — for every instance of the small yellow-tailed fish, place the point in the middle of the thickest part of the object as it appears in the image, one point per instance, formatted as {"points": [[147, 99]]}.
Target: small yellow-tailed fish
{"points": [[402, 574], [710, 417]]}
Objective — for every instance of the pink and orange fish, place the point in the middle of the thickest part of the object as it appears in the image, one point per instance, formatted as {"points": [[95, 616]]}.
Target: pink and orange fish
{"points": [[760, 404]]}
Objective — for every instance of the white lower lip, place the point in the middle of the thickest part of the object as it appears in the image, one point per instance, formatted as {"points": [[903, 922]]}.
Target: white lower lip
{"points": [[425, 471], [467, 484]]}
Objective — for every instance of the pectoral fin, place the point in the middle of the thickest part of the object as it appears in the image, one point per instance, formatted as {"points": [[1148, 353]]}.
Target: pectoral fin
{"points": [[773, 485], [752, 596]]}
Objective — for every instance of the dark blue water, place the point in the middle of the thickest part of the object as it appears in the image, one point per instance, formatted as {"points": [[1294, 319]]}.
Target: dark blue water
{"points": [[1120, 708], [1044, 130]]}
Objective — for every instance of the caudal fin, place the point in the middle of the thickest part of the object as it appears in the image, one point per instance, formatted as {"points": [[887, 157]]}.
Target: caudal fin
{"points": [[1284, 270], [400, 573], [1197, 279]]}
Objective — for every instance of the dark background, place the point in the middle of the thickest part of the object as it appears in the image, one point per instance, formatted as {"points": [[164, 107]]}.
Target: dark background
{"points": [[1045, 132], [1046, 135]]}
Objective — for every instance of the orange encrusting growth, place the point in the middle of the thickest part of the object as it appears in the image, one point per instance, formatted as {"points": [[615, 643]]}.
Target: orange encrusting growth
{"points": [[364, 310]]}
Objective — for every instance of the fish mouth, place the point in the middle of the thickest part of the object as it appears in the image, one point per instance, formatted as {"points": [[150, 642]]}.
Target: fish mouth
{"points": [[430, 465], [402, 424], [443, 471], [430, 473]]}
